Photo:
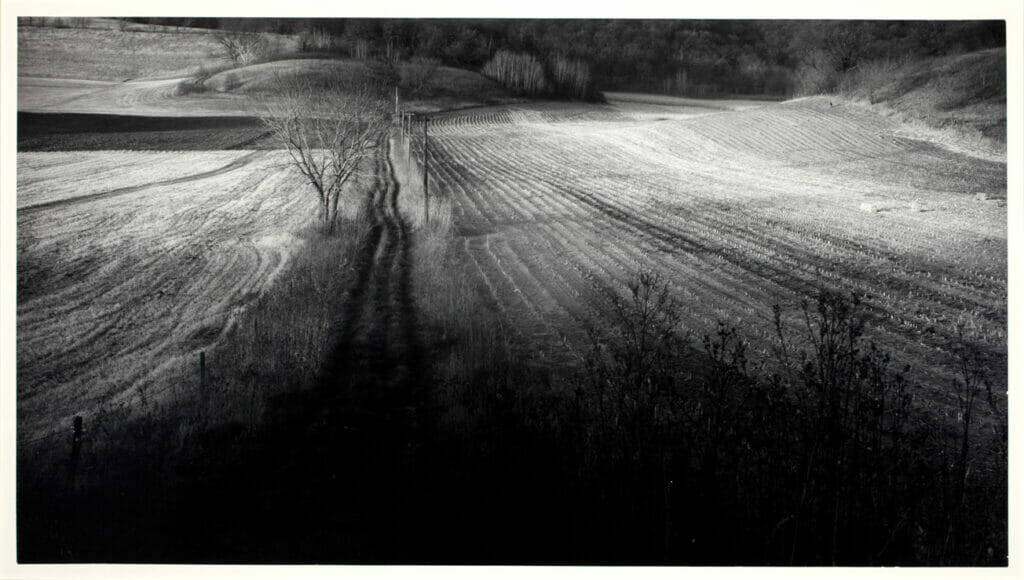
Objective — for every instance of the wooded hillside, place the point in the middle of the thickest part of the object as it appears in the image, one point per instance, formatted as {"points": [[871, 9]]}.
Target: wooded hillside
{"points": [[682, 57]]}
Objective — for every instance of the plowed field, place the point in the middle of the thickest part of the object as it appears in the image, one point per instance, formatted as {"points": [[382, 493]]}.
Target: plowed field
{"points": [[557, 205], [129, 263]]}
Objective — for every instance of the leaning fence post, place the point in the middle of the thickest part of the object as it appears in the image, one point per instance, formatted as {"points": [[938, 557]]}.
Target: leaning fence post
{"points": [[76, 447]]}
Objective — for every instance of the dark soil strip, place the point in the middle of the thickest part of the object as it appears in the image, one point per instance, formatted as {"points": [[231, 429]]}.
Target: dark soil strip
{"points": [[81, 132]]}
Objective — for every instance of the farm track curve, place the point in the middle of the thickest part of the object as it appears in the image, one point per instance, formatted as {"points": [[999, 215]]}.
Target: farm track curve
{"points": [[63, 203]]}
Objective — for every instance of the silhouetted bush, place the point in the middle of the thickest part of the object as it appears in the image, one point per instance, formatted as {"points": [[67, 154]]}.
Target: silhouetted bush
{"points": [[697, 454]]}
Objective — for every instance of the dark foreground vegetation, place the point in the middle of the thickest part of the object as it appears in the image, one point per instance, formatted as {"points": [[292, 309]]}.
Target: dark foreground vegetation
{"points": [[310, 439], [661, 448]]}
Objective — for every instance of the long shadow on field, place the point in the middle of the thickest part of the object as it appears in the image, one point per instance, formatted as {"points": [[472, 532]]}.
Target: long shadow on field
{"points": [[330, 480], [352, 471], [357, 471]]}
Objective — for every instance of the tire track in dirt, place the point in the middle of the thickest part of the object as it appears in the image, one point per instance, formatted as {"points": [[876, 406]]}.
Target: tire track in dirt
{"points": [[368, 407], [379, 320], [61, 203]]}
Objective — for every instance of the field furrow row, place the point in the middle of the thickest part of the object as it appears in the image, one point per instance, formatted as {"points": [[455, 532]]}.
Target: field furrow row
{"points": [[120, 288], [736, 235]]}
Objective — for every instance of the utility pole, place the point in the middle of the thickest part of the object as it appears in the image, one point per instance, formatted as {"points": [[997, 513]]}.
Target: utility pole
{"points": [[408, 135], [426, 198]]}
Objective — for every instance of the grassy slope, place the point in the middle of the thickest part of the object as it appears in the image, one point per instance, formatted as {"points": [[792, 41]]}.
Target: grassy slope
{"points": [[99, 23], [443, 87], [112, 55], [961, 96], [54, 62], [449, 88]]}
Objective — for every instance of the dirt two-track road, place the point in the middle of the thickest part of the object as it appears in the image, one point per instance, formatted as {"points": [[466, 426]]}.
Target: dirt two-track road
{"points": [[352, 442]]}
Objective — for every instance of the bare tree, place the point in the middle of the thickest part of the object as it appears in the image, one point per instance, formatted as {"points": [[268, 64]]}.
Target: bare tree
{"points": [[329, 126], [242, 47]]}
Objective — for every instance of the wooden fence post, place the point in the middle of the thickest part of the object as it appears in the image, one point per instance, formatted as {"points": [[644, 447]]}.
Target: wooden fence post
{"points": [[408, 136], [76, 448], [426, 197]]}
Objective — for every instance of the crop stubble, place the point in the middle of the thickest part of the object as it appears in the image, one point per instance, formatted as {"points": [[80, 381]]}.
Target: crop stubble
{"points": [[740, 210], [116, 291], [556, 206]]}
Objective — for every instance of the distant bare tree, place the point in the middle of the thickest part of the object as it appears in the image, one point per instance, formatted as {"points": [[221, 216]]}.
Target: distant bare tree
{"points": [[845, 44], [329, 126], [520, 72], [572, 76]]}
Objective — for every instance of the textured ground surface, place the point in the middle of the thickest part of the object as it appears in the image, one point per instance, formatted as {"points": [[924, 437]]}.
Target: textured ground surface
{"points": [[131, 262], [741, 207]]}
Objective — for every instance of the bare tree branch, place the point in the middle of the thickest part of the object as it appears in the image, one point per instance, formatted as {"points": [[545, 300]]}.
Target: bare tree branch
{"points": [[328, 125]]}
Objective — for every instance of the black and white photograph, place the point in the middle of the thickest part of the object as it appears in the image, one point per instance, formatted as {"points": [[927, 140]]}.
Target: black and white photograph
{"points": [[458, 289]]}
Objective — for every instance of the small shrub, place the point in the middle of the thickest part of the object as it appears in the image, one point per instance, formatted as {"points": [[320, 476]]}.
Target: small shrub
{"points": [[868, 79], [318, 40], [231, 82], [190, 86], [814, 75], [197, 82], [632, 372], [242, 48]]}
